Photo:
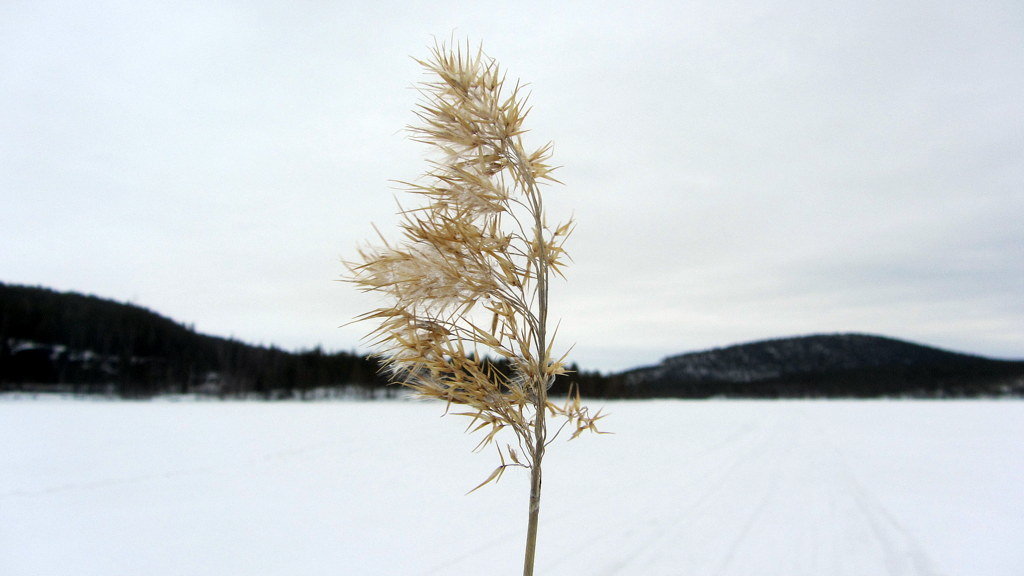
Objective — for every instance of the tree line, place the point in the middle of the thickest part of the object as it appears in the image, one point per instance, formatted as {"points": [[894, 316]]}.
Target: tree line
{"points": [[65, 341], [80, 343], [69, 342]]}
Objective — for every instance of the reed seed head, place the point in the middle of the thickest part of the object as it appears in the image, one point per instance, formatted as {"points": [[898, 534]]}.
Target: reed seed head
{"points": [[466, 285]]}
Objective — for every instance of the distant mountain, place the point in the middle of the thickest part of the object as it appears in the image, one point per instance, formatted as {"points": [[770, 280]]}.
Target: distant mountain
{"points": [[848, 365], [65, 341]]}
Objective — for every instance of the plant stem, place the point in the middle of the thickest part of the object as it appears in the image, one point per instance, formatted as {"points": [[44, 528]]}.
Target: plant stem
{"points": [[535, 483], [541, 378]]}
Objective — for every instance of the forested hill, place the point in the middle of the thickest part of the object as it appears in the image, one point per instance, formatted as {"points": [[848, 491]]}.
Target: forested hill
{"points": [[70, 341], [845, 365]]}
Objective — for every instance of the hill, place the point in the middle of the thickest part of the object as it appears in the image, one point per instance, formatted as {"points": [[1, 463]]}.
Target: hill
{"points": [[67, 341], [53, 340], [833, 365]]}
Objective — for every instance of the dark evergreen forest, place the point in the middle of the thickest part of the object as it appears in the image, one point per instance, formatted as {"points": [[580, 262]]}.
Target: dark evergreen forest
{"points": [[68, 342], [72, 342]]}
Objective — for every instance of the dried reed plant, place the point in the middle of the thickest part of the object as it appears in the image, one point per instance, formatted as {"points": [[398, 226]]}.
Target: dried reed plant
{"points": [[468, 281]]}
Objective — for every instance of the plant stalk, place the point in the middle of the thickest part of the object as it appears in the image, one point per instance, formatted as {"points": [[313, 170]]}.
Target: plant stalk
{"points": [[541, 378], [535, 484]]}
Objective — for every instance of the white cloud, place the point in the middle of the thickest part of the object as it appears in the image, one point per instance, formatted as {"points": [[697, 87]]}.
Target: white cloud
{"points": [[736, 171]]}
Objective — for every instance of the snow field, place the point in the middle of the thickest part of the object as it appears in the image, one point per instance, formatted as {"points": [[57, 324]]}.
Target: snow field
{"points": [[367, 488]]}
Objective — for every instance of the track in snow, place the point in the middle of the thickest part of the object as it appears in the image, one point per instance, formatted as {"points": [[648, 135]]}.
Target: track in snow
{"points": [[682, 488]]}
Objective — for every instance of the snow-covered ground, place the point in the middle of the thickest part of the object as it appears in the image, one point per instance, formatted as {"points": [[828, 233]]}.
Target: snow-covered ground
{"points": [[365, 488]]}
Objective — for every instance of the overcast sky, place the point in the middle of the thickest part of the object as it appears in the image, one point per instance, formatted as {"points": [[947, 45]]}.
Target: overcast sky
{"points": [[738, 170]]}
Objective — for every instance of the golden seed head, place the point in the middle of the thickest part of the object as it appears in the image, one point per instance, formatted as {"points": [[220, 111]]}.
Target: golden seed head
{"points": [[470, 273]]}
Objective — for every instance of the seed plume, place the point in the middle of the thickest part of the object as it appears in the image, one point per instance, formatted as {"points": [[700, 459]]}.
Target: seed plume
{"points": [[465, 286]]}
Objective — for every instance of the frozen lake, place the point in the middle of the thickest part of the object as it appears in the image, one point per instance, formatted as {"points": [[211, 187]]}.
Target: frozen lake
{"points": [[367, 488]]}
